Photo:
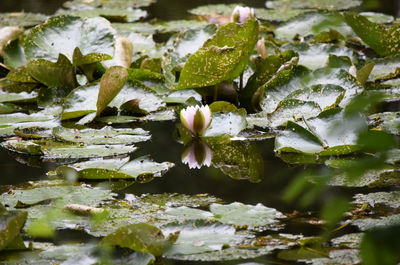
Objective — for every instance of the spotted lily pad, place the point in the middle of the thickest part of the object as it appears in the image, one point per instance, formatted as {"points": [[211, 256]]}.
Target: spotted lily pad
{"points": [[62, 34], [327, 134], [142, 167], [384, 40], [221, 58], [106, 135]]}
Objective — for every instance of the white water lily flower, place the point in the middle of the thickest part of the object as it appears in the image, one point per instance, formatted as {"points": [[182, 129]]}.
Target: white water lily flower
{"points": [[197, 154], [196, 119], [240, 14]]}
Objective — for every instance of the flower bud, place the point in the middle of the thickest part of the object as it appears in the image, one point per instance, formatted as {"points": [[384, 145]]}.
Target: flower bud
{"points": [[197, 154], [353, 71], [196, 119], [240, 14], [262, 51]]}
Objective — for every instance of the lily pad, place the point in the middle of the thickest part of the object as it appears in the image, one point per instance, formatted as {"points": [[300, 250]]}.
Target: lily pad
{"points": [[82, 100], [329, 133], [231, 123], [387, 121], [256, 217], [201, 237], [106, 135], [329, 4], [163, 27], [62, 34], [317, 55], [21, 19], [11, 225], [221, 58], [374, 223], [391, 198], [313, 23], [17, 97], [385, 68], [384, 40], [122, 4], [56, 150], [113, 15], [142, 167], [140, 238], [190, 41]]}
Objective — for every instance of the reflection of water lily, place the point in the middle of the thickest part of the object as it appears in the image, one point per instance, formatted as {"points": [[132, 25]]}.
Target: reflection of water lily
{"points": [[196, 119], [240, 14], [197, 154]]}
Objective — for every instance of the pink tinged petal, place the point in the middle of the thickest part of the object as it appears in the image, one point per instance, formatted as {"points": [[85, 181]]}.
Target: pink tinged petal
{"points": [[190, 158], [208, 158], [187, 117], [207, 116]]}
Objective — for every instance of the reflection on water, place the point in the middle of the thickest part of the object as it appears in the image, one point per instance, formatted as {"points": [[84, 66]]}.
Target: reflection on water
{"points": [[197, 154]]}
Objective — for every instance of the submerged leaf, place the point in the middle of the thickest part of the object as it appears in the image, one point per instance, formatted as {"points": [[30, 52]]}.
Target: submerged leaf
{"points": [[140, 238]]}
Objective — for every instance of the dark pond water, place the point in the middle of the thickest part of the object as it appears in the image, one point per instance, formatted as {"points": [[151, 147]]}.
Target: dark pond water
{"points": [[163, 147]]}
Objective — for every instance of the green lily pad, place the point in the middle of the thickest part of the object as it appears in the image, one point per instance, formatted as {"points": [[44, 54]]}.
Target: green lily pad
{"points": [[14, 55], [142, 167], [374, 223], [287, 82], [21, 19], [313, 23], [6, 108], [317, 55], [113, 15], [17, 97], [326, 96], [256, 217], [384, 40], [163, 27], [56, 150], [329, 4], [387, 121], [221, 58], [9, 122], [121, 4], [231, 123], [106, 135], [62, 34], [190, 41], [200, 237], [371, 178], [329, 133], [385, 68], [391, 198], [11, 224], [82, 100], [140, 238], [162, 115], [59, 74]]}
